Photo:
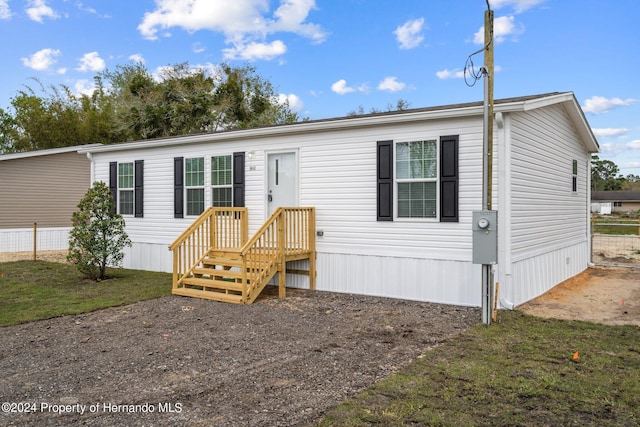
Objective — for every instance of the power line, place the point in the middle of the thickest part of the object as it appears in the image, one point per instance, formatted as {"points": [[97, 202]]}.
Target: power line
{"points": [[469, 66]]}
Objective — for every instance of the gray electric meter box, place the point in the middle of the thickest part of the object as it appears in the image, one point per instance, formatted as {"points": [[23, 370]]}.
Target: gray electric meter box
{"points": [[485, 237]]}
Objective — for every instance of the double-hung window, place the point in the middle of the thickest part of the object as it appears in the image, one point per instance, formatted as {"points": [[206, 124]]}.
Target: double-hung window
{"points": [[194, 184], [221, 181], [125, 188], [207, 181], [126, 183], [417, 179]]}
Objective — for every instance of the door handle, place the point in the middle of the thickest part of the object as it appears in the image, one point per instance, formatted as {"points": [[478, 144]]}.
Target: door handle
{"points": [[270, 198]]}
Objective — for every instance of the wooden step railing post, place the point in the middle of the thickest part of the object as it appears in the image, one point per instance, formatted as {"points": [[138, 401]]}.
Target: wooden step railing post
{"points": [[282, 267], [312, 248]]}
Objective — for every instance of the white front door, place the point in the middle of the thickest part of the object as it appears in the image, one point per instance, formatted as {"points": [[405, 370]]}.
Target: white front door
{"points": [[282, 181]]}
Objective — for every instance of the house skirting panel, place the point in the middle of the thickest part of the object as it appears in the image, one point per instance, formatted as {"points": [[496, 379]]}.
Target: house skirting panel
{"points": [[534, 276], [21, 239], [418, 279], [148, 256]]}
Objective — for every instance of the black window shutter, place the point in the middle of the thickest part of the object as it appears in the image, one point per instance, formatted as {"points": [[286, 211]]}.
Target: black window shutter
{"points": [[178, 187], [113, 184], [385, 181], [139, 188], [449, 178], [238, 179]]}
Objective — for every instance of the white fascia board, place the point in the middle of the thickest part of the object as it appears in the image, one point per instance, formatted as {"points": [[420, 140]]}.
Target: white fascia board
{"points": [[345, 123], [572, 108], [295, 128], [81, 149]]}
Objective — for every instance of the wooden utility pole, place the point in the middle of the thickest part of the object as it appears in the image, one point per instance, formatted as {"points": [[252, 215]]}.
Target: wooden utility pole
{"points": [[489, 70], [488, 294]]}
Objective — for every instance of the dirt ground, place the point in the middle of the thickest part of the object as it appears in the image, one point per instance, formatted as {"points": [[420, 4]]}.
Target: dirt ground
{"points": [[278, 362], [188, 361], [606, 295]]}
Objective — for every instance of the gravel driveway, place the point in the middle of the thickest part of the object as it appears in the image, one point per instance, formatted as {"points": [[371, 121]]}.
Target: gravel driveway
{"points": [[186, 361]]}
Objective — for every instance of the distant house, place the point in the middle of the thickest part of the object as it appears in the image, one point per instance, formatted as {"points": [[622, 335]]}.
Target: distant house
{"points": [[393, 195], [619, 201], [42, 187]]}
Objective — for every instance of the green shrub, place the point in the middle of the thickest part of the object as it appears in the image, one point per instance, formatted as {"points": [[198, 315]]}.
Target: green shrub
{"points": [[98, 238]]}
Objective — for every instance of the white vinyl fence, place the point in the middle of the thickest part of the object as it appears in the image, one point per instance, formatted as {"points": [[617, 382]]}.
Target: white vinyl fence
{"points": [[22, 239]]}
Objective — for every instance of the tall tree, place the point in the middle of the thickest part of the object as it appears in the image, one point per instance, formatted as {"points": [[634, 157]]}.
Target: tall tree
{"points": [[182, 100], [130, 103], [605, 175]]}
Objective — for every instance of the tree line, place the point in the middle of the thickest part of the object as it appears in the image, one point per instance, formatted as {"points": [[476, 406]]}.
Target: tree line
{"points": [[606, 176], [129, 104]]}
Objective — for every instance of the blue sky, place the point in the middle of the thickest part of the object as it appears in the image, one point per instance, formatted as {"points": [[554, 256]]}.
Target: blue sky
{"points": [[328, 57]]}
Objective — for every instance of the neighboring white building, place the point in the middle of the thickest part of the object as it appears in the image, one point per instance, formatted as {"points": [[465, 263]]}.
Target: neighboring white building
{"points": [[394, 194]]}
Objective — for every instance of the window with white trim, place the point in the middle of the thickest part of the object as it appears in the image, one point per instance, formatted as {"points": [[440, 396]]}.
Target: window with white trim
{"points": [[125, 188], [194, 185], [416, 172], [221, 181], [574, 178]]}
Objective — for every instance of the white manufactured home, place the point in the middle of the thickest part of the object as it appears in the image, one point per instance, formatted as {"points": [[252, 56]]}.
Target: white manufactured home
{"points": [[392, 196]]}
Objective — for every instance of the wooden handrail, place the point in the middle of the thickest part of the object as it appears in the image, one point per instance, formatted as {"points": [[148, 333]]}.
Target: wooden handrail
{"points": [[288, 234], [215, 226], [283, 233]]}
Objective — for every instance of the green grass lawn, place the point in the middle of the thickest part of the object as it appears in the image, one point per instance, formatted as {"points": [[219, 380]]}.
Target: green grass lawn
{"points": [[34, 290], [601, 226], [519, 372]]}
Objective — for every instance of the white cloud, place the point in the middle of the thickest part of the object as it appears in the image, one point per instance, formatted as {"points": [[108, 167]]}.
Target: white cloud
{"points": [[503, 27], [340, 87], [42, 60], [610, 132], [84, 87], [450, 74], [137, 58], [245, 23], [198, 47], [600, 104], [409, 34], [39, 9], [91, 62], [254, 51], [635, 144], [5, 12], [295, 103], [391, 84], [519, 6]]}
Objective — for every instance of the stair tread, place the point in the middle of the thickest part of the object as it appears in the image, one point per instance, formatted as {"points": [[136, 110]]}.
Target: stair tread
{"points": [[216, 296], [212, 283]]}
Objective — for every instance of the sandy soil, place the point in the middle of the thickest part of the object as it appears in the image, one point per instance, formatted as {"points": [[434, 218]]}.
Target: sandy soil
{"points": [[606, 295], [616, 250]]}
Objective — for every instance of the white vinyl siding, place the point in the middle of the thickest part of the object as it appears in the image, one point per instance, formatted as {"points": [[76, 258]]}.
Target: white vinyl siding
{"points": [[545, 213]]}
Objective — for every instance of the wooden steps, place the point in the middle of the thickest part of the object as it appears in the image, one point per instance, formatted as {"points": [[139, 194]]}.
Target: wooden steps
{"points": [[214, 259]]}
